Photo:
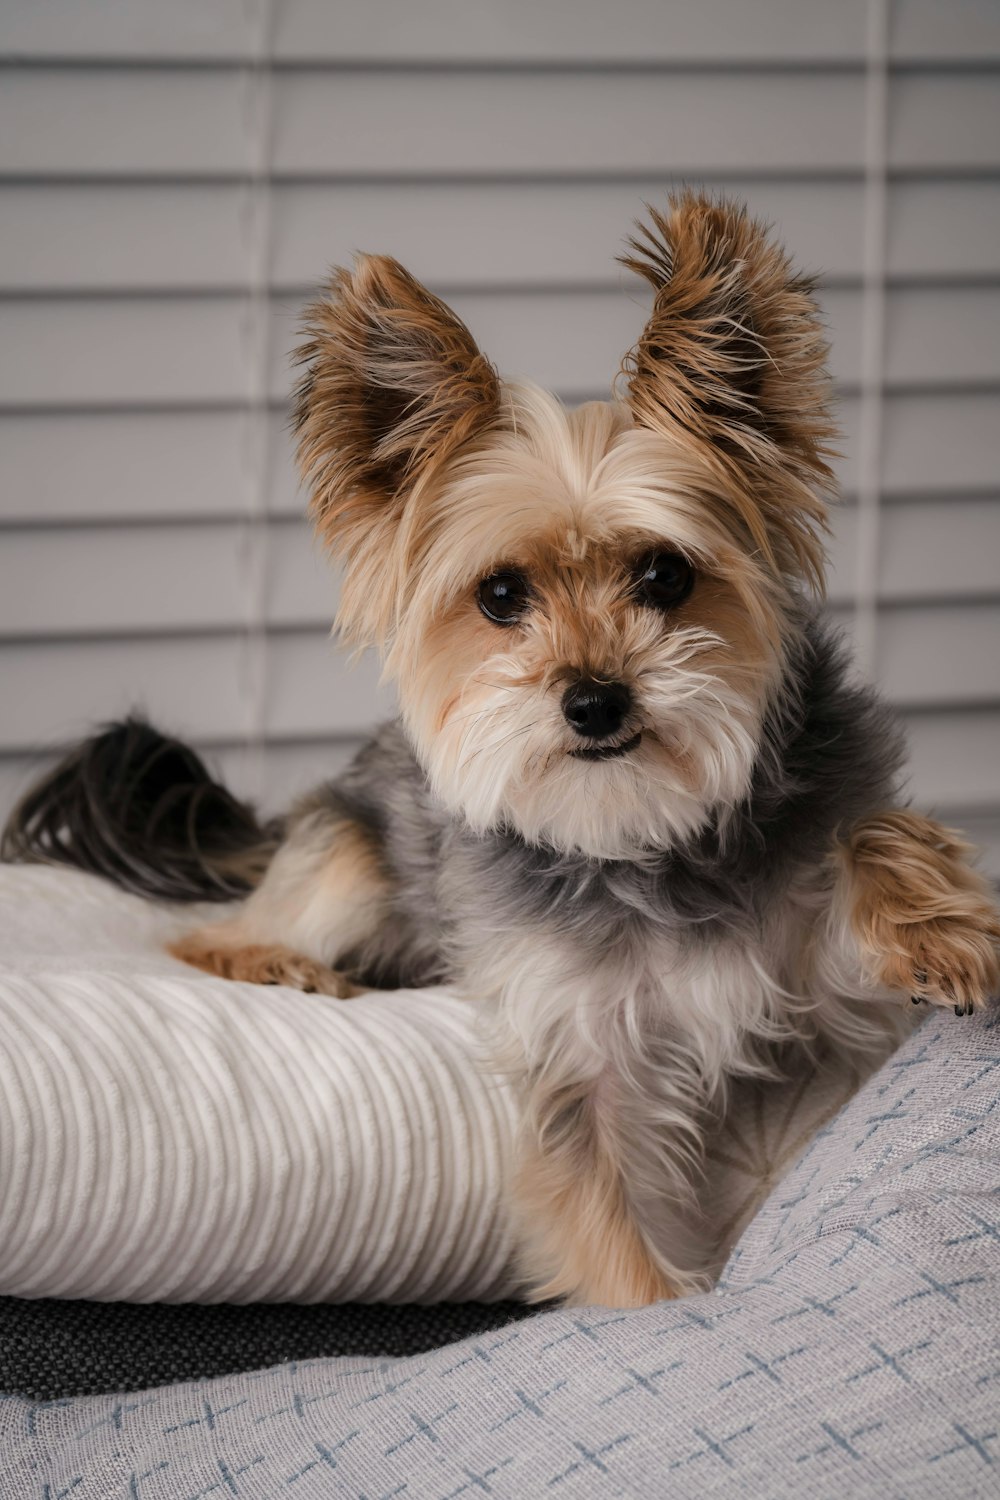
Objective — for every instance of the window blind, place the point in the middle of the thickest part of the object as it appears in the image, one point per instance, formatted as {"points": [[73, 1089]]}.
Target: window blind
{"points": [[174, 180]]}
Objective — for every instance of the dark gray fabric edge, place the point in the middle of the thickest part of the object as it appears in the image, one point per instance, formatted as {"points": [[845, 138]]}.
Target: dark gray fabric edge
{"points": [[51, 1348]]}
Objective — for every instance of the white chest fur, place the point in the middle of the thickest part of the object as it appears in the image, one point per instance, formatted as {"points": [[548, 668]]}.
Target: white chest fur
{"points": [[705, 1007]]}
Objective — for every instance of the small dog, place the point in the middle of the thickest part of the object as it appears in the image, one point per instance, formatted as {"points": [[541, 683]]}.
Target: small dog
{"points": [[634, 802]]}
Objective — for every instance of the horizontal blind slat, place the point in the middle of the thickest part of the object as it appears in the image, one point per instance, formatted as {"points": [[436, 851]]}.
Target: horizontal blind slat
{"points": [[92, 351], [156, 123], [941, 549], [51, 693], [194, 123], [938, 442], [127, 238], [107, 464], [925, 31], [566, 123], [936, 655], [954, 758], [942, 120], [134, 30], [740, 31], [149, 578], [162, 121], [522, 30]]}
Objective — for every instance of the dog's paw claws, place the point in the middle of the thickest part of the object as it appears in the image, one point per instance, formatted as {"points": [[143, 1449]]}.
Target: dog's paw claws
{"points": [[961, 981], [941, 993]]}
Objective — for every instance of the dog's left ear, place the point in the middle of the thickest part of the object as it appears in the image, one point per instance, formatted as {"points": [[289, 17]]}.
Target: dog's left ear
{"points": [[734, 356], [394, 385]]}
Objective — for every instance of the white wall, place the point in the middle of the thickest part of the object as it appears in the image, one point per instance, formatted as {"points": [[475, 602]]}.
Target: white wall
{"points": [[174, 179]]}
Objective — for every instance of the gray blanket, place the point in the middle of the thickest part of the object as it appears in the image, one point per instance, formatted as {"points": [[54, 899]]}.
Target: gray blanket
{"points": [[852, 1347]]}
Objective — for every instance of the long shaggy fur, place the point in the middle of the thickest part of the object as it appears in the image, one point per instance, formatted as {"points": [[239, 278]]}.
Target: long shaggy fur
{"points": [[722, 880]]}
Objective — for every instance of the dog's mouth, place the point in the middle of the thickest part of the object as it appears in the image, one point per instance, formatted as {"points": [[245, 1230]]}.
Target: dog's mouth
{"points": [[608, 752]]}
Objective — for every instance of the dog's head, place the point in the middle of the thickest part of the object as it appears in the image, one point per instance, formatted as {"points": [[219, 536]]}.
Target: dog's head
{"points": [[586, 612]]}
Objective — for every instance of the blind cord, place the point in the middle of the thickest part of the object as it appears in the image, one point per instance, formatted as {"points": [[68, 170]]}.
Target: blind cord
{"points": [[257, 436], [873, 317]]}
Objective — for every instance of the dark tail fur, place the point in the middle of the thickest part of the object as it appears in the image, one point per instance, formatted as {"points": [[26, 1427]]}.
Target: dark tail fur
{"points": [[143, 811]]}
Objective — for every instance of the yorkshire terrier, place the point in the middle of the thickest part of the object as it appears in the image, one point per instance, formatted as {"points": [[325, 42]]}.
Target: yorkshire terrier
{"points": [[634, 802]]}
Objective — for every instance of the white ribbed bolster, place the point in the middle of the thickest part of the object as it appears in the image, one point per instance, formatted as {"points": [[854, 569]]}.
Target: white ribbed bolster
{"points": [[169, 1136]]}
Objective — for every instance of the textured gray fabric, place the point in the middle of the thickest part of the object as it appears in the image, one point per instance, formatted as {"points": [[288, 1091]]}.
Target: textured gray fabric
{"points": [[853, 1347], [51, 1348]]}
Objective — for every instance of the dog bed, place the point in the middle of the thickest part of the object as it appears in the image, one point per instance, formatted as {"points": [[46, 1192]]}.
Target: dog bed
{"points": [[167, 1136], [852, 1347]]}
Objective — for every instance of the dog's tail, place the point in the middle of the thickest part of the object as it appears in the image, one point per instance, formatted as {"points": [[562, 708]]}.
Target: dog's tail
{"points": [[142, 810]]}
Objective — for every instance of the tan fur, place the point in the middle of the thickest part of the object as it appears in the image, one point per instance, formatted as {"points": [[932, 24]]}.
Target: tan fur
{"points": [[734, 356], [354, 875], [322, 895], [219, 951], [582, 607], [926, 920], [561, 488], [580, 1239], [585, 621]]}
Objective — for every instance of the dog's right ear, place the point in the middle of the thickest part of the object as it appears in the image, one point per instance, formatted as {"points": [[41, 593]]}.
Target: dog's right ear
{"points": [[394, 384]]}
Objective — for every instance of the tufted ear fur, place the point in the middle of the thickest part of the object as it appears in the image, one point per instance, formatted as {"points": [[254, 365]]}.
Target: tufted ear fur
{"points": [[734, 354], [394, 385]]}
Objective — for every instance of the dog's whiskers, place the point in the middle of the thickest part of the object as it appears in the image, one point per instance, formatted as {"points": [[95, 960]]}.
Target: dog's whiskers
{"points": [[499, 744]]}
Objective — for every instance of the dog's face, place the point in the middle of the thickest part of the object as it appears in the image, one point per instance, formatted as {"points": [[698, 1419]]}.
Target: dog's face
{"points": [[586, 612], [585, 655]]}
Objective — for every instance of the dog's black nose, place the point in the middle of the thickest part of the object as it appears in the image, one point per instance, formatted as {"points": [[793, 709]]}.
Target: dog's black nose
{"points": [[596, 709]]}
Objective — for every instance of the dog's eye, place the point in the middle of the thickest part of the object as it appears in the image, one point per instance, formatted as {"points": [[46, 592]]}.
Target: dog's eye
{"points": [[503, 597], [663, 579]]}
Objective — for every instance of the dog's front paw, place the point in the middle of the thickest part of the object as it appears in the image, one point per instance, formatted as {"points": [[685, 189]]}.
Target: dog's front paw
{"points": [[215, 952], [312, 978], [926, 920], [949, 962]]}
